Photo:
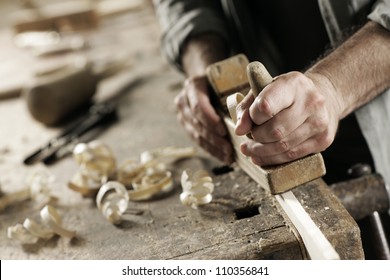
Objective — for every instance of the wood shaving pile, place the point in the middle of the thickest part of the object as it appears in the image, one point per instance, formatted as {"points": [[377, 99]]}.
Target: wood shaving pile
{"points": [[132, 180], [39, 190], [30, 231]]}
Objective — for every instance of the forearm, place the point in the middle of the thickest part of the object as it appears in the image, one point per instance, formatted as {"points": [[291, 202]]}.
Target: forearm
{"points": [[183, 20], [201, 51], [358, 70]]}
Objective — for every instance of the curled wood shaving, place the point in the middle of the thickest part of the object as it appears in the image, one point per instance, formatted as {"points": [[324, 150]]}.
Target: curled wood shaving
{"points": [[51, 217], [14, 198], [20, 233], [30, 232], [84, 184], [113, 199], [95, 159], [39, 189], [150, 185], [147, 179], [149, 176], [97, 164], [197, 188], [38, 230], [40, 185], [144, 178], [130, 171]]}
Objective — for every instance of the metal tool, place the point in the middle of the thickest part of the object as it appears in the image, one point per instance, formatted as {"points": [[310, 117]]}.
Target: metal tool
{"points": [[99, 115]]}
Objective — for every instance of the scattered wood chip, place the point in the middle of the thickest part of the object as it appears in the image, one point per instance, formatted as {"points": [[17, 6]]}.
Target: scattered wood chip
{"points": [[132, 180], [38, 189], [113, 199], [95, 159], [30, 231], [197, 188]]}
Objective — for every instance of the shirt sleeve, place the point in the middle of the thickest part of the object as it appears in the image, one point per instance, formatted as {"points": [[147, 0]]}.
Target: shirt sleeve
{"points": [[381, 13], [182, 19]]}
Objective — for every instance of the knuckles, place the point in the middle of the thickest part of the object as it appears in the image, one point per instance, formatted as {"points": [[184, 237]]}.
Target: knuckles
{"points": [[324, 140], [277, 134], [264, 107]]}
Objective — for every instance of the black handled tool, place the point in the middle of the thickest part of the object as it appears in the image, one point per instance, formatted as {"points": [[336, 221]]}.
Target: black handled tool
{"points": [[98, 115]]}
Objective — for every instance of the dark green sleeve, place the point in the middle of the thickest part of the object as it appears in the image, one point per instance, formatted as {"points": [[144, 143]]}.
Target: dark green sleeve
{"points": [[181, 19]]}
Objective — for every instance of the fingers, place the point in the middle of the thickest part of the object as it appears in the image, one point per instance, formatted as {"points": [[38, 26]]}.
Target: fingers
{"points": [[291, 118], [201, 121], [307, 130], [312, 145], [314, 135], [303, 110], [272, 101], [201, 107], [274, 98]]}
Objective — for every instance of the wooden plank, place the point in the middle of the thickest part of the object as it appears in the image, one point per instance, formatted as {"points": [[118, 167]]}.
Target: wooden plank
{"points": [[228, 76]]}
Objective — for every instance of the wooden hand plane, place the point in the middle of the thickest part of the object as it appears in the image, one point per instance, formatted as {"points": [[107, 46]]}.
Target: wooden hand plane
{"points": [[233, 75]]}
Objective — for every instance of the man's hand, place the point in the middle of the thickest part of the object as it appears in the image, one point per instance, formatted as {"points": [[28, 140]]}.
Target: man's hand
{"points": [[195, 111], [294, 116], [201, 121], [297, 114]]}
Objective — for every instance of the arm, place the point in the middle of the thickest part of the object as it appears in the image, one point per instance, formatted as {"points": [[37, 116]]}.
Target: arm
{"points": [[298, 114], [360, 69], [194, 36]]}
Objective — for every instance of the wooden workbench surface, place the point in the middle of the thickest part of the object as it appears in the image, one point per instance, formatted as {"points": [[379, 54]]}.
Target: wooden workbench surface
{"points": [[242, 221]]}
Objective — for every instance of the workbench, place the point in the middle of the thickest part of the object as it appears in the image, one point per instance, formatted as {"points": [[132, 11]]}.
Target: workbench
{"points": [[242, 222]]}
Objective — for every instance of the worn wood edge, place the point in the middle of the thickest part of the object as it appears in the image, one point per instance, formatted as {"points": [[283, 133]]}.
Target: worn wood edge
{"points": [[348, 242], [258, 77], [280, 178], [235, 65], [249, 247], [289, 175], [317, 245], [293, 230]]}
